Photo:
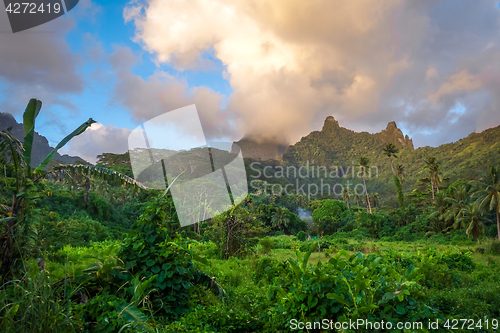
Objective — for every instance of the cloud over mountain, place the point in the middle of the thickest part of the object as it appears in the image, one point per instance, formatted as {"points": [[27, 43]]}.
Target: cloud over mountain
{"points": [[432, 66]]}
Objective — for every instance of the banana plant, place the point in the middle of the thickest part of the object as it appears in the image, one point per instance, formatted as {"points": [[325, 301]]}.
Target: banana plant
{"points": [[19, 222], [22, 216]]}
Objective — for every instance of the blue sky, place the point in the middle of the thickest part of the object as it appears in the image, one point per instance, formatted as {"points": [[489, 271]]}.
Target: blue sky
{"points": [[108, 28]]}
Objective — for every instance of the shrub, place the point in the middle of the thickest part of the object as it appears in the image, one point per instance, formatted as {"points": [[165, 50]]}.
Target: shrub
{"points": [[333, 290], [267, 244], [301, 236], [267, 269], [461, 261], [283, 242]]}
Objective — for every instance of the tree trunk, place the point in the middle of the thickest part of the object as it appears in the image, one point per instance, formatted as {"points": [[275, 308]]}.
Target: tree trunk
{"points": [[432, 188], [366, 190], [392, 167]]}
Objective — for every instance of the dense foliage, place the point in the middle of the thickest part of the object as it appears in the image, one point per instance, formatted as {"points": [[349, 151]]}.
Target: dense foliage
{"points": [[87, 249]]}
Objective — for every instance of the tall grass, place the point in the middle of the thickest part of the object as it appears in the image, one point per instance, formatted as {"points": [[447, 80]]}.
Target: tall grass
{"points": [[33, 304]]}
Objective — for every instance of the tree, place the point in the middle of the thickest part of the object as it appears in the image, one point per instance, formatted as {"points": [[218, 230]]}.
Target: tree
{"points": [[400, 170], [363, 163], [235, 231], [457, 200], [438, 216], [327, 216], [356, 198], [280, 218], [488, 195], [346, 196], [473, 219], [391, 150], [434, 172]]}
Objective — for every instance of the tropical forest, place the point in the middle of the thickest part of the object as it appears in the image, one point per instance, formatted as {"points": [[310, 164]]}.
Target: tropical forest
{"points": [[86, 248], [256, 166]]}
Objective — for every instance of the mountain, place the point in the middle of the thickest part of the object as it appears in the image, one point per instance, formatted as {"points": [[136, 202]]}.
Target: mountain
{"points": [[261, 150], [41, 146], [338, 145], [338, 148]]}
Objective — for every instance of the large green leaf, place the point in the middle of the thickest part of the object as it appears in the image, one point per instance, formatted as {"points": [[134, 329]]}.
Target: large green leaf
{"points": [[338, 298], [168, 188], [131, 313], [64, 141], [29, 116], [101, 172]]}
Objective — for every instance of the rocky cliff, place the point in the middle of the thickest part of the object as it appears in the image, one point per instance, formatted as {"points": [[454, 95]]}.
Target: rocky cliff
{"points": [[331, 143], [392, 134], [338, 145]]}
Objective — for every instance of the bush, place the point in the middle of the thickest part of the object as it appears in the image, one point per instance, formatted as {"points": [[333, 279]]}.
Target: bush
{"points": [[283, 242], [301, 236], [460, 261], [268, 269], [267, 244]]}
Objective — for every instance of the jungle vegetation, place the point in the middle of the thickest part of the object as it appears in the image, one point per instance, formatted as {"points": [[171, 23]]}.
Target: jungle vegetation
{"points": [[86, 248]]}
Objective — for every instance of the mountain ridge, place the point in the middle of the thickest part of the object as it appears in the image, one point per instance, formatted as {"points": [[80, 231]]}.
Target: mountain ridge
{"points": [[41, 147], [269, 150]]}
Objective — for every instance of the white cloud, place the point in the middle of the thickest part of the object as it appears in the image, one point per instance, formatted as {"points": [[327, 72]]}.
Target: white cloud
{"points": [[292, 63], [161, 92], [98, 139]]}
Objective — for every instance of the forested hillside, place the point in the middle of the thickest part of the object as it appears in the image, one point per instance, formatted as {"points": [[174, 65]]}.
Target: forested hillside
{"points": [[337, 146], [87, 248]]}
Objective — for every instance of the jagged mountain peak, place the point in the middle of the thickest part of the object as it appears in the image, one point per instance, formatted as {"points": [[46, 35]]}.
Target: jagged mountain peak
{"points": [[392, 134], [391, 125]]}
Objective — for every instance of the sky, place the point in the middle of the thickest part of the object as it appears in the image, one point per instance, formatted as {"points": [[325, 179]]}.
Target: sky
{"points": [[268, 70]]}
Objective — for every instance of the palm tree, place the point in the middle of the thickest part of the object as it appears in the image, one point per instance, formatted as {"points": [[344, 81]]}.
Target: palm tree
{"points": [[280, 218], [363, 163], [488, 195], [400, 170], [438, 222], [474, 220], [433, 165], [439, 208], [346, 196], [356, 198], [458, 200], [391, 150]]}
